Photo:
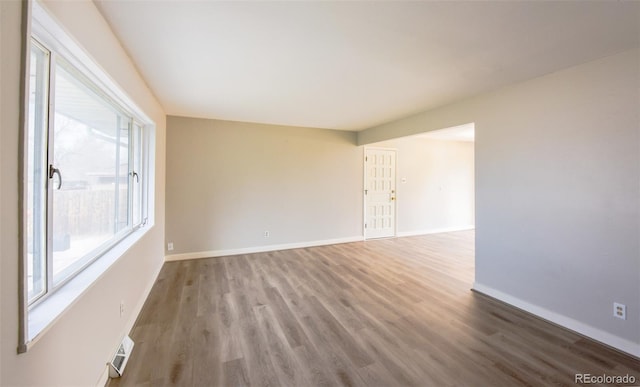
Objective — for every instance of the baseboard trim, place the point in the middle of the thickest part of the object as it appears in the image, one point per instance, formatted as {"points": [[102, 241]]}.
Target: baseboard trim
{"points": [[606, 338], [104, 378], [259, 249], [138, 308], [435, 231]]}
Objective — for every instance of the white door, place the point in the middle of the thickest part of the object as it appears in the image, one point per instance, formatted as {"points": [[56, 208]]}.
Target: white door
{"points": [[380, 193]]}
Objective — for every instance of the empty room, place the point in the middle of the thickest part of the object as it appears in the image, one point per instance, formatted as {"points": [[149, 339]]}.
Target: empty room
{"points": [[307, 193]]}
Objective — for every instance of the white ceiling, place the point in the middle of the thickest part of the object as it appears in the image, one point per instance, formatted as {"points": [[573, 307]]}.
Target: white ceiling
{"points": [[353, 65]]}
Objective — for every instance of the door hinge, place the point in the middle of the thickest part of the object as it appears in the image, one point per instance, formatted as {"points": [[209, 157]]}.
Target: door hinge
{"points": [[366, 158], [365, 225], [366, 191]]}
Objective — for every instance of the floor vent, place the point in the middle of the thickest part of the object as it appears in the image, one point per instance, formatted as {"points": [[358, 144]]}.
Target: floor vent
{"points": [[116, 367]]}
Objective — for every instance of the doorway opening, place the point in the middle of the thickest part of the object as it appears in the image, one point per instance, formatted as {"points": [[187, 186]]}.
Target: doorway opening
{"points": [[433, 187]]}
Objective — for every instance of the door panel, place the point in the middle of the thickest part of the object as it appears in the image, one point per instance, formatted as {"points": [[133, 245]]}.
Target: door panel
{"points": [[380, 193]]}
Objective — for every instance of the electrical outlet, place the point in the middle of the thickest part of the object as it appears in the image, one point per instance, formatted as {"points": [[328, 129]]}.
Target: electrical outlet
{"points": [[620, 310], [265, 234], [121, 308], [170, 246]]}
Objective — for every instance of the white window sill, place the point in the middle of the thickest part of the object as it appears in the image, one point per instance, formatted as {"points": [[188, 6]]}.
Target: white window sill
{"points": [[42, 316]]}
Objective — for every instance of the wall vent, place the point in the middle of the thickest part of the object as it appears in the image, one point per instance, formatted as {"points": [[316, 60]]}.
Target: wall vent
{"points": [[116, 366]]}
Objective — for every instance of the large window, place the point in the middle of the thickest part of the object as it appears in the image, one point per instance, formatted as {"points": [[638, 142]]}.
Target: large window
{"points": [[87, 174], [84, 170]]}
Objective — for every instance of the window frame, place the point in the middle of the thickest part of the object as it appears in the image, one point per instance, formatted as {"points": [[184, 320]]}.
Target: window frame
{"points": [[51, 283], [38, 313], [40, 113]]}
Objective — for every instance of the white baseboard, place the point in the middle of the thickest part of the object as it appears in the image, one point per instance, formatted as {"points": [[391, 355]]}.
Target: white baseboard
{"points": [[104, 378], [259, 249], [138, 308], [435, 231], [607, 338]]}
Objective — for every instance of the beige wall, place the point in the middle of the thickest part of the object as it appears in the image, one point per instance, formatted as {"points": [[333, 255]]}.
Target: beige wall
{"points": [[78, 345], [228, 182], [557, 193], [438, 189], [7, 68]]}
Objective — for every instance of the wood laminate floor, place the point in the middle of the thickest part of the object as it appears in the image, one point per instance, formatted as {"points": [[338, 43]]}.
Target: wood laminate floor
{"points": [[389, 312]]}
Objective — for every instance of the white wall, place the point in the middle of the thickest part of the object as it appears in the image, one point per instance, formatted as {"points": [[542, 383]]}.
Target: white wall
{"points": [[557, 193], [76, 348], [228, 182], [438, 192]]}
